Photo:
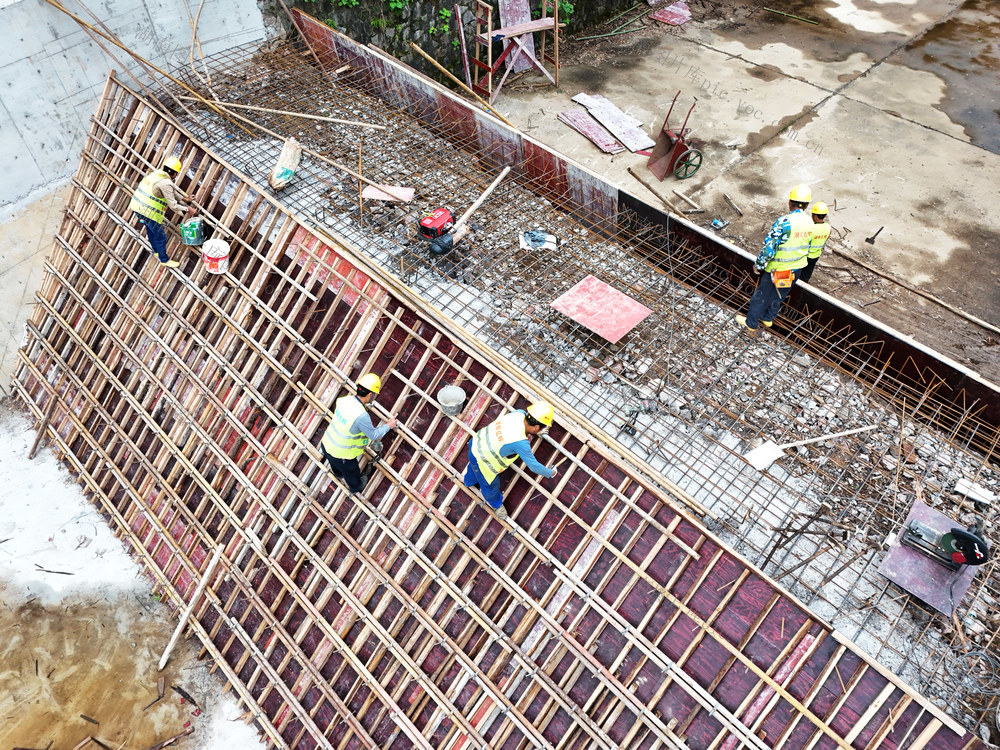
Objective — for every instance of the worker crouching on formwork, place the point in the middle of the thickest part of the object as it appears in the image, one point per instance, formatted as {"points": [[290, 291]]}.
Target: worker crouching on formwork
{"points": [[155, 194], [499, 444], [350, 430]]}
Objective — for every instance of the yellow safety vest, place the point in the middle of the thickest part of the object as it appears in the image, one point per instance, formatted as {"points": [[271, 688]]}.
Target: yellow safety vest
{"points": [[338, 440], [144, 202], [821, 233], [792, 253], [488, 441]]}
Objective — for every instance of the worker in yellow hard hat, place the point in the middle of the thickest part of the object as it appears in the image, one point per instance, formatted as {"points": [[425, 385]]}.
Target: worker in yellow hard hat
{"points": [[785, 252], [821, 233], [499, 444], [150, 201], [350, 430]]}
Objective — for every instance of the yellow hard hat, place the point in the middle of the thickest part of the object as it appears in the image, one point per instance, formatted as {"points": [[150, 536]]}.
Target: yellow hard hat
{"points": [[371, 381], [819, 207], [172, 162], [543, 412], [800, 194]]}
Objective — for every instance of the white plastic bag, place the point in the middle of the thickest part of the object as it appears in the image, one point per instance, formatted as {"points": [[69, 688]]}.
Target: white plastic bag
{"points": [[288, 162]]}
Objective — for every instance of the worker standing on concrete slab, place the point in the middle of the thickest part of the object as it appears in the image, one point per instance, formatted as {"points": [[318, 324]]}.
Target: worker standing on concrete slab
{"points": [[499, 444], [155, 194], [350, 430], [821, 233], [785, 251]]}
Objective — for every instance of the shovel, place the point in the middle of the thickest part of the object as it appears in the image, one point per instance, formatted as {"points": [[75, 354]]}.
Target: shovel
{"points": [[762, 457]]}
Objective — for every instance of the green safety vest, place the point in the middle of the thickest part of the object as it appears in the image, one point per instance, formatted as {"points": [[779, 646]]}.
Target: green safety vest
{"points": [[821, 233], [144, 202], [338, 440], [488, 441], [792, 253]]}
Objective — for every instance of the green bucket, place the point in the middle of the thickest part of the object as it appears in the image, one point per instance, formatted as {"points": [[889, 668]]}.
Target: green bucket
{"points": [[193, 231]]}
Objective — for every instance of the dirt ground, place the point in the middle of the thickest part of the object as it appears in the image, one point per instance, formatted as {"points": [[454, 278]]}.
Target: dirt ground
{"points": [[889, 112], [94, 659]]}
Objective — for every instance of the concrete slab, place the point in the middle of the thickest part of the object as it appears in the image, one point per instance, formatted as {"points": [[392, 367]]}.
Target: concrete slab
{"points": [[25, 242], [857, 107]]}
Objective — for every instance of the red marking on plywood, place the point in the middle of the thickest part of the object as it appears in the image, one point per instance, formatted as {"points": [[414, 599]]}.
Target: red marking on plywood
{"points": [[601, 308], [592, 130], [675, 14], [784, 672]]}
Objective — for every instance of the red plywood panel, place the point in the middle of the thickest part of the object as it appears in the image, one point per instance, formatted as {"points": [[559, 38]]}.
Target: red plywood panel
{"points": [[601, 308]]}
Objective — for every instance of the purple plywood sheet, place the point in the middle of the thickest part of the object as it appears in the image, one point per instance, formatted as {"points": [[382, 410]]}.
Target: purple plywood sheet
{"points": [[626, 129], [601, 308], [591, 129], [514, 13], [675, 14], [929, 581]]}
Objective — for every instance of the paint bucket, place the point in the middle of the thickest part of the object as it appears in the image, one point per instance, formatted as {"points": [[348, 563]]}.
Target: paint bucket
{"points": [[193, 231], [451, 398], [215, 256]]}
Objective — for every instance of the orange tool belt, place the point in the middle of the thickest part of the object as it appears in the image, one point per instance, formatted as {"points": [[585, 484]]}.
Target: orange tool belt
{"points": [[782, 279]]}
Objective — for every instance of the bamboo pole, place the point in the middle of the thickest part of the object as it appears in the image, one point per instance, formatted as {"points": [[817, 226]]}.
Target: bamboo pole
{"points": [[303, 115], [190, 607], [486, 105]]}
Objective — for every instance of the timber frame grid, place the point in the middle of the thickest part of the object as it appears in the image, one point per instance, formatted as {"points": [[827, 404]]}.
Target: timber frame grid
{"points": [[602, 614]]}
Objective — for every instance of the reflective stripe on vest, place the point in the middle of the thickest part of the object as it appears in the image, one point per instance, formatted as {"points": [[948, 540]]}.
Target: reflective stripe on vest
{"points": [[821, 233], [338, 440], [144, 202], [488, 441], [792, 253]]}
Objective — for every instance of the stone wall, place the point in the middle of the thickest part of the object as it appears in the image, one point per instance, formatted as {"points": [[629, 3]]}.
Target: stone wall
{"points": [[432, 25]]}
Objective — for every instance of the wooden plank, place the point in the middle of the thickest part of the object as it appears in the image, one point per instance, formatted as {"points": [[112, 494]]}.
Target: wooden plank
{"points": [[623, 127], [588, 127]]}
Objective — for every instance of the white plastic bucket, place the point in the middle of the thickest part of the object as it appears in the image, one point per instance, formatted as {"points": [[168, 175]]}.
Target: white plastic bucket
{"points": [[215, 256], [451, 398]]}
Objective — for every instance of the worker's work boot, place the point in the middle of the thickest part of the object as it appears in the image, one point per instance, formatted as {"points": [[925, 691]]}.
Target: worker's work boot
{"points": [[500, 513], [170, 264], [751, 332], [767, 323]]}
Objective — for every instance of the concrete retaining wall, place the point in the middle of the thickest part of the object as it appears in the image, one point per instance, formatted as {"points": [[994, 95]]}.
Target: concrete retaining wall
{"points": [[52, 74]]}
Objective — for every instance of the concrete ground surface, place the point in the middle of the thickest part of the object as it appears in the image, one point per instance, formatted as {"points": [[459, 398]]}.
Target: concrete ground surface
{"points": [[889, 111]]}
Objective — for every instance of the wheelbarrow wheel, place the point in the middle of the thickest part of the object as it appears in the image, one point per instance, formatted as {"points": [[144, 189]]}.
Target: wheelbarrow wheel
{"points": [[687, 164]]}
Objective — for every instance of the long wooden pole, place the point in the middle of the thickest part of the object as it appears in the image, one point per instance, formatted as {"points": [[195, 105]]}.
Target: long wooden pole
{"points": [[290, 114], [191, 605], [486, 105], [481, 198]]}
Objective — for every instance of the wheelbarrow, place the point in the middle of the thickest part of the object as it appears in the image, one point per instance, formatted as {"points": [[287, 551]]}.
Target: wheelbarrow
{"points": [[672, 152]]}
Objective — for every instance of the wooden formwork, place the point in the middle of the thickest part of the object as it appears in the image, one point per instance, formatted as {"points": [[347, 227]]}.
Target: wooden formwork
{"points": [[601, 614]]}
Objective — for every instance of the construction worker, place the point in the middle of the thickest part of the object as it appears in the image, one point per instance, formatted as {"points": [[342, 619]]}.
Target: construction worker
{"points": [[821, 233], [155, 194], [499, 444], [350, 430], [785, 251]]}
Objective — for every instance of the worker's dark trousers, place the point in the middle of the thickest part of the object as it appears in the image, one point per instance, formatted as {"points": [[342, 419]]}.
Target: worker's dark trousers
{"points": [[473, 476], [766, 300], [806, 273], [346, 469], [157, 237]]}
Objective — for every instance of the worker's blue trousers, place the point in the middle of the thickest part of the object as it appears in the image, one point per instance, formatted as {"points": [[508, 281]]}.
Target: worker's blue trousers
{"points": [[766, 300], [157, 237], [491, 490]]}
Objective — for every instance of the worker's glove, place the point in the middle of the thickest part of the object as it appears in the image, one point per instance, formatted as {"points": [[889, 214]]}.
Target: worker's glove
{"points": [[555, 473]]}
